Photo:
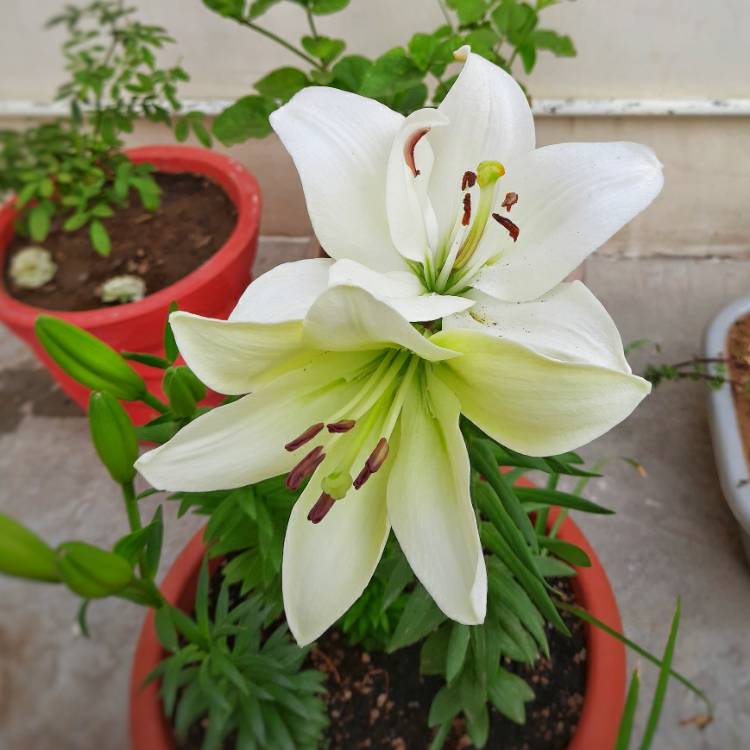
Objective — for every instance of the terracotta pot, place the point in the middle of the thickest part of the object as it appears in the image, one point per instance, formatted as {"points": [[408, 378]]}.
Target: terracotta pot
{"points": [[212, 289], [604, 698]]}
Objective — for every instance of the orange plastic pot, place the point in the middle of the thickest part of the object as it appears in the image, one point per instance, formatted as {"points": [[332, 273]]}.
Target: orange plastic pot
{"points": [[604, 697], [212, 289]]}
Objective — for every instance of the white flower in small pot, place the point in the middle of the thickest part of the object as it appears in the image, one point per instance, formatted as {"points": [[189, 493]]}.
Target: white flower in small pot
{"points": [[456, 201], [343, 389]]}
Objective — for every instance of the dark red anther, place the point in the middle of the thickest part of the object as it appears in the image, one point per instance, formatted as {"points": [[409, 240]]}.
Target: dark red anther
{"points": [[410, 145], [468, 180], [375, 460], [305, 468], [343, 425], [510, 200], [362, 477], [512, 228], [467, 210], [320, 510], [305, 437]]}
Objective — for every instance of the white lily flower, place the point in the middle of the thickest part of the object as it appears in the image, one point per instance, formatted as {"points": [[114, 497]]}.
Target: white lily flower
{"points": [[344, 390], [457, 197]]}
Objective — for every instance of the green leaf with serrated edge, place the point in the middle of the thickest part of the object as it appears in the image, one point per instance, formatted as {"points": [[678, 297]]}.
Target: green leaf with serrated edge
{"points": [[181, 129], [282, 84], [246, 118], [410, 100], [432, 656], [165, 629], [533, 586], [199, 129], [87, 359], [389, 74], [662, 683], [566, 551], [483, 461], [561, 499], [559, 44], [324, 7], [509, 694], [229, 8], [23, 554], [420, 617], [259, 7], [421, 49], [458, 646], [468, 11], [323, 47], [350, 71], [625, 732]]}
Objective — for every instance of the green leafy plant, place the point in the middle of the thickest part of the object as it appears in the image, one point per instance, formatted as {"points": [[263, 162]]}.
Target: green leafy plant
{"points": [[406, 77], [72, 172], [228, 666]]}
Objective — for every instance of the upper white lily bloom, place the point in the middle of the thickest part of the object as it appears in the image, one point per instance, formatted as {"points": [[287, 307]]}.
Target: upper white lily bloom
{"points": [[457, 197], [344, 390]]}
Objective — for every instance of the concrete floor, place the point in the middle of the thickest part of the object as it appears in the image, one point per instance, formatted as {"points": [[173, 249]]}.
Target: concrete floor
{"points": [[672, 535]]}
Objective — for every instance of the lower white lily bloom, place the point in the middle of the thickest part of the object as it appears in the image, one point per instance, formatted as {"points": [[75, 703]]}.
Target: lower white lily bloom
{"points": [[344, 390]]}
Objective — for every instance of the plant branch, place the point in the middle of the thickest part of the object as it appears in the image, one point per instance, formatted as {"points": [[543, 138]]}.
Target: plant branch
{"points": [[445, 13], [287, 45], [155, 403], [311, 22]]}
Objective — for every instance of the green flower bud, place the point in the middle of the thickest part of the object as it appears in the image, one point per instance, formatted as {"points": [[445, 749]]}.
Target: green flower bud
{"points": [[92, 572], [23, 554], [88, 360], [183, 389], [113, 436]]}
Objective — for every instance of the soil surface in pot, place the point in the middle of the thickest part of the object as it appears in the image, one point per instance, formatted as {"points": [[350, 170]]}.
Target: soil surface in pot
{"points": [[194, 220], [379, 701], [738, 353]]}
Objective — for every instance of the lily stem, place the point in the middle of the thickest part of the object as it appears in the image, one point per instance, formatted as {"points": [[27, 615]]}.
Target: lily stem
{"points": [[155, 403], [134, 515]]}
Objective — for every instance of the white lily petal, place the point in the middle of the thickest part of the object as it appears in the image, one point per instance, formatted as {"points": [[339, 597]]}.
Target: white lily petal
{"points": [[326, 566], [535, 405], [429, 505], [349, 318], [235, 357], [572, 197], [569, 324], [284, 293], [490, 119], [340, 144], [401, 290], [410, 215], [243, 442]]}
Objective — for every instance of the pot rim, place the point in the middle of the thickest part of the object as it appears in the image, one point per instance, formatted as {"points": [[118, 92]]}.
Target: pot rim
{"points": [[231, 176], [604, 696]]}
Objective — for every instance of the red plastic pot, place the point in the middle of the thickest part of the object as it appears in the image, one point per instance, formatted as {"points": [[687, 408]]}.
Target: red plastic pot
{"points": [[212, 289], [604, 698]]}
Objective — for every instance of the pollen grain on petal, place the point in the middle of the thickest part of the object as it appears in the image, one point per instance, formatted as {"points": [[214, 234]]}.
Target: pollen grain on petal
{"points": [[320, 510], [305, 437], [410, 145], [505, 222], [467, 210], [510, 200], [343, 425]]}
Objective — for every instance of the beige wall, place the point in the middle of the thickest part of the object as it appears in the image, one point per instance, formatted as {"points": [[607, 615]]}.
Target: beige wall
{"points": [[627, 48]]}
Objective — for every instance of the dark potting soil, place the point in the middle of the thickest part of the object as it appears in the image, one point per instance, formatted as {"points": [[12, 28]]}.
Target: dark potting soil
{"points": [[194, 220], [379, 701]]}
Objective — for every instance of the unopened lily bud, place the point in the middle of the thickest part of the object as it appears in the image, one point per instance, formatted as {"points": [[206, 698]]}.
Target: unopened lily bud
{"points": [[113, 436], [92, 572], [32, 267], [122, 289], [183, 389], [87, 359], [23, 554]]}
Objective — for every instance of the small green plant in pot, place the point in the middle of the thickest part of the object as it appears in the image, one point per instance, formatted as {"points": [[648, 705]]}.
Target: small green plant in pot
{"points": [[71, 178]]}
